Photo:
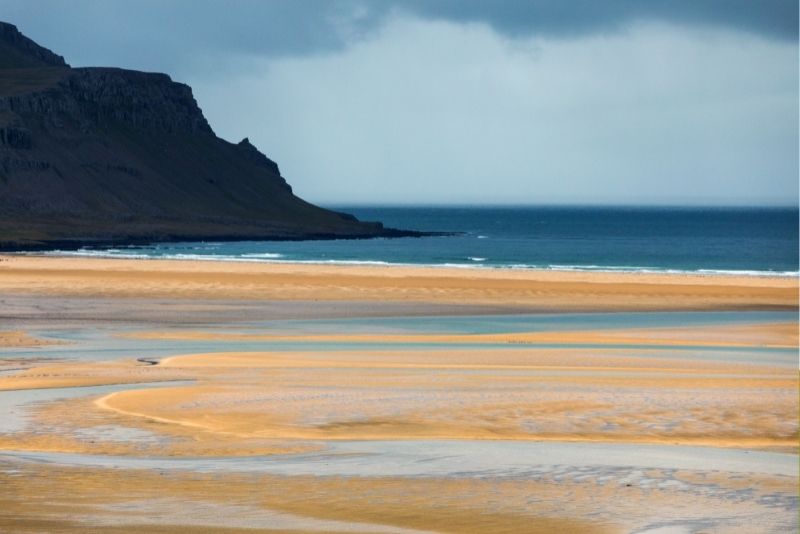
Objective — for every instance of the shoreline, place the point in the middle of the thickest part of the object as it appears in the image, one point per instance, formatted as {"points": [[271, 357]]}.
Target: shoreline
{"points": [[532, 290], [667, 410], [476, 265], [23, 244], [445, 269]]}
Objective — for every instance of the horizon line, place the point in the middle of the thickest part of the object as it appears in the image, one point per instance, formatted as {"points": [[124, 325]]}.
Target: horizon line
{"points": [[550, 205]]}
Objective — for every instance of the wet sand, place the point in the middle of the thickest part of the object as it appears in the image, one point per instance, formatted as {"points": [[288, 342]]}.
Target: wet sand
{"points": [[211, 391], [21, 339], [773, 335], [605, 396], [536, 290], [542, 499]]}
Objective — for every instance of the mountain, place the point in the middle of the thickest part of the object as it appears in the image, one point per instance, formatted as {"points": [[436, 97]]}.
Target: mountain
{"points": [[108, 155]]}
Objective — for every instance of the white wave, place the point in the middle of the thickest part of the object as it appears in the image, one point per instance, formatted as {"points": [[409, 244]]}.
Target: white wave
{"points": [[748, 273], [348, 262], [454, 265], [91, 254], [483, 237], [265, 255], [656, 270], [621, 268], [242, 258], [474, 263], [212, 257]]}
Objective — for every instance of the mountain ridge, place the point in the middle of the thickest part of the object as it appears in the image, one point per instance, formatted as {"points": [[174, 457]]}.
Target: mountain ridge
{"points": [[104, 155]]}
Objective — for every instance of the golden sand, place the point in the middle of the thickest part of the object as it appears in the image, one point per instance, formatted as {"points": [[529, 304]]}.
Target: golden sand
{"points": [[62, 499], [778, 335], [21, 339], [622, 386], [485, 394], [526, 289], [77, 374], [268, 402]]}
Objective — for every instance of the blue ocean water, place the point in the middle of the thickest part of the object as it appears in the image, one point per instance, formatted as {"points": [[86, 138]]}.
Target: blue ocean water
{"points": [[758, 241]]}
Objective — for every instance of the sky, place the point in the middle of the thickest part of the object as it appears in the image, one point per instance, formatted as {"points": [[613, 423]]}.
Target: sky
{"points": [[474, 102]]}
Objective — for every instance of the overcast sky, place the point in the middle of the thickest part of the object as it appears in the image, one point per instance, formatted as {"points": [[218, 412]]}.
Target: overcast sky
{"points": [[463, 101]]}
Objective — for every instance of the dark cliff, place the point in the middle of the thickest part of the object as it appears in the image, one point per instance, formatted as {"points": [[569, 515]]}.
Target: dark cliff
{"points": [[107, 155]]}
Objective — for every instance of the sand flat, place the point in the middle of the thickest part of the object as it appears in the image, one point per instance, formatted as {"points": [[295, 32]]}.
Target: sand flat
{"points": [[558, 499], [490, 394], [355, 426], [19, 338], [774, 335], [535, 289]]}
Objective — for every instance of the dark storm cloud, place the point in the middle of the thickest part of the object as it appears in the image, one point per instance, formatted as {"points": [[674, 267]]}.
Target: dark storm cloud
{"points": [[175, 35], [467, 101], [770, 18], [180, 36]]}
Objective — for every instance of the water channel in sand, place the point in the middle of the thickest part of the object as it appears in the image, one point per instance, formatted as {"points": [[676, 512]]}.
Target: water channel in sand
{"points": [[657, 469]]}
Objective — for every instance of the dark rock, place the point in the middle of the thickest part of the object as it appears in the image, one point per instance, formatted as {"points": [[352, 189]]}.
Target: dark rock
{"points": [[107, 155], [24, 47], [138, 99], [254, 155], [15, 137]]}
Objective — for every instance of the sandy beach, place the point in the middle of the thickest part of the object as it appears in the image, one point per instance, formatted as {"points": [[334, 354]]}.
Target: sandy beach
{"points": [[393, 399], [20, 339], [399, 267], [525, 289]]}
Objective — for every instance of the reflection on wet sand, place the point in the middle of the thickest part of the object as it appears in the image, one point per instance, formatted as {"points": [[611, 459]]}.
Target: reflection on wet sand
{"points": [[535, 395], [777, 335], [570, 494], [560, 423], [18, 338]]}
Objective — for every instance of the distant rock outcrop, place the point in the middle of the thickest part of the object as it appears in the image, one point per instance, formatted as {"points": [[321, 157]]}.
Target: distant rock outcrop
{"points": [[21, 51], [108, 155]]}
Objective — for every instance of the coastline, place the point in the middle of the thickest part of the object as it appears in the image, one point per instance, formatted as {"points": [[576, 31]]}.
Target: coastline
{"points": [[476, 263], [446, 384], [532, 290], [565, 297], [34, 244]]}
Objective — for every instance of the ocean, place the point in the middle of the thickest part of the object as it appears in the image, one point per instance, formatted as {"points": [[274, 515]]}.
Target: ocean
{"points": [[749, 241]]}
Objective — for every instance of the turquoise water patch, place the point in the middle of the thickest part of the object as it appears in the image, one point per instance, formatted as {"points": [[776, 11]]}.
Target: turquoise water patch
{"points": [[105, 344]]}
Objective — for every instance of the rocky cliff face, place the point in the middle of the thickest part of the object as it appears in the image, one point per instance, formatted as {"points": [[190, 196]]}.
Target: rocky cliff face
{"points": [[114, 155], [139, 99], [21, 51]]}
